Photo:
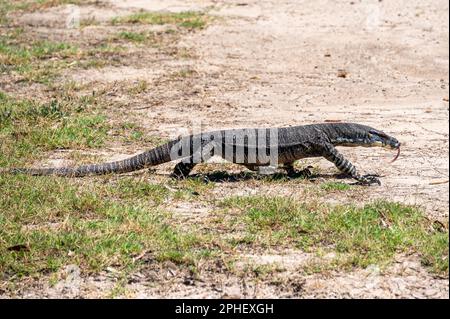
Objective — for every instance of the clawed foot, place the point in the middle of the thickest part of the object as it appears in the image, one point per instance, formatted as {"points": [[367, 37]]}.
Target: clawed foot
{"points": [[182, 170], [180, 173], [369, 179], [305, 173]]}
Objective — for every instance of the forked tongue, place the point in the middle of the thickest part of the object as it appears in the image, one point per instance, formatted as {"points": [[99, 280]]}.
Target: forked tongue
{"points": [[396, 156]]}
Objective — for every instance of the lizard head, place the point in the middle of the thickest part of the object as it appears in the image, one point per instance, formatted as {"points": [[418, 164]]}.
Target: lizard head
{"points": [[351, 134], [379, 138]]}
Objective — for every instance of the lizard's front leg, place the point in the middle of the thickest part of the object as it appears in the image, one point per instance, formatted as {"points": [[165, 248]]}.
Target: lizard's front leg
{"points": [[344, 165]]}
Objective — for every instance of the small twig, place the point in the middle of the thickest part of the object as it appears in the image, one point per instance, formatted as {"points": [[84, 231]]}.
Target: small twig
{"points": [[140, 256], [437, 182]]}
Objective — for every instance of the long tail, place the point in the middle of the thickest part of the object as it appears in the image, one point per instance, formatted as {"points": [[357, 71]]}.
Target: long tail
{"points": [[156, 156]]}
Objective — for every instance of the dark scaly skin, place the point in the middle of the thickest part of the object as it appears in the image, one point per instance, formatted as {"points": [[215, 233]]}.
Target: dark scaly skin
{"points": [[294, 143]]}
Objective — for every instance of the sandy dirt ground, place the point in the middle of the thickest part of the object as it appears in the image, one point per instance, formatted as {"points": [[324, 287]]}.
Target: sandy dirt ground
{"points": [[280, 63], [286, 56]]}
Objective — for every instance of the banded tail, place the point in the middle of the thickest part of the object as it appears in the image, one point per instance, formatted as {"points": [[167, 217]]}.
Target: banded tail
{"points": [[156, 156]]}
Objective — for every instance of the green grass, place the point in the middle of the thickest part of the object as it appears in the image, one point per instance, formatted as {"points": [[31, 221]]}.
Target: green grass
{"points": [[132, 36], [14, 53], [48, 222], [138, 88], [38, 61], [156, 39], [333, 186], [29, 128], [188, 20], [128, 188], [7, 6], [42, 61], [192, 186], [132, 133], [183, 74], [101, 55], [372, 234]]}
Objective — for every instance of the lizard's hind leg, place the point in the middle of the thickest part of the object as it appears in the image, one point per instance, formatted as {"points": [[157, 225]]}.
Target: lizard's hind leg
{"points": [[293, 173], [183, 168]]}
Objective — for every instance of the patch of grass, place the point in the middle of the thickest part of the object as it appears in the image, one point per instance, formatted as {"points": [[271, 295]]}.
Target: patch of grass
{"points": [[7, 6], [184, 53], [138, 88], [132, 36], [133, 189], [264, 271], [18, 54], [372, 234], [37, 61], [188, 20], [105, 49], [12, 110], [161, 40], [183, 74], [192, 186], [94, 63], [49, 222], [45, 49], [101, 55], [89, 21], [333, 186], [41, 61], [29, 128], [131, 132], [137, 135]]}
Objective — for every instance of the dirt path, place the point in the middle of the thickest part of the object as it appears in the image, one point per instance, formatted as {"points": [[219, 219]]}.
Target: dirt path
{"points": [[286, 56], [278, 63]]}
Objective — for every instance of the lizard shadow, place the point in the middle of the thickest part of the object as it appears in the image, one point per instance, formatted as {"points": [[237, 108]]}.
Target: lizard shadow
{"points": [[226, 177]]}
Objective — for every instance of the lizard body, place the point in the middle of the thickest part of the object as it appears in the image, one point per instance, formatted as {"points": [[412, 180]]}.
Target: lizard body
{"points": [[250, 147]]}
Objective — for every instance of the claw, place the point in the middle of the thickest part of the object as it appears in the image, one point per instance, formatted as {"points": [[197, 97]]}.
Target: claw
{"points": [[306, 172], [178, 176], [206, 180], [368, 180], [372, 175], [303, 173]]}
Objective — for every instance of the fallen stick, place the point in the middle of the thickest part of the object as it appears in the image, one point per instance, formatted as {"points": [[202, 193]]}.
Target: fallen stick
{"points": [[439, 182]]}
